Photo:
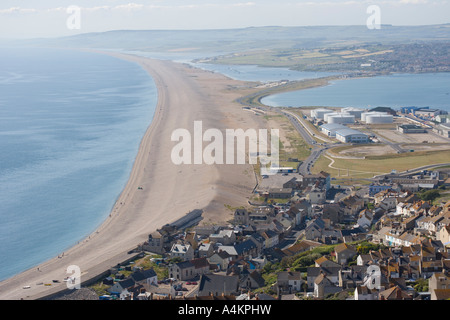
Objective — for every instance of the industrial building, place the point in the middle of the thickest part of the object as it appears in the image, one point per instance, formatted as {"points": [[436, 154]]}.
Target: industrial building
{"points": [[407, 110], [351, 136], [341, 118], [428, 113], [411, 128], [443, 129], [443, 118], [330, 128], [320, 113]]}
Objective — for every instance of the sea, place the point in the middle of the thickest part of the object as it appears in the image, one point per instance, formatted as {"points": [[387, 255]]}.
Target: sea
{"points": [[70, 127], [261, 74], [394, 91], [71, 123]]}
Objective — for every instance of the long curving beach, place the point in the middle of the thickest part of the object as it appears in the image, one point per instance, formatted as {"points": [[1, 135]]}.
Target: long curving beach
{"points": [[158, 191]]}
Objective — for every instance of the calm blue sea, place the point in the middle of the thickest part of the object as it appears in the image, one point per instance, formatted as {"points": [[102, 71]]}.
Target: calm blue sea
{"points": [[395, 91], [70, 127], [263, 74]]}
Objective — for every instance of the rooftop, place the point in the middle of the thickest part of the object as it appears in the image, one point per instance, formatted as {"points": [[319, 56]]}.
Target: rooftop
{"points": [[348, 132]]}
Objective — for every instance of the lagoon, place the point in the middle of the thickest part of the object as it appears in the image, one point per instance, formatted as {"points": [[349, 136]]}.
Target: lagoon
{"points": [[394, 91]]}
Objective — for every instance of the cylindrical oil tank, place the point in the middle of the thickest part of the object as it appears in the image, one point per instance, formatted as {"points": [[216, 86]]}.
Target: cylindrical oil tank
{"points": [[342, 118], [379, 118]]}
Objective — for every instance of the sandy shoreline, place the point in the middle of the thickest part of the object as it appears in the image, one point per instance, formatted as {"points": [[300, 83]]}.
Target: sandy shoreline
{"points": [[167, 191]]}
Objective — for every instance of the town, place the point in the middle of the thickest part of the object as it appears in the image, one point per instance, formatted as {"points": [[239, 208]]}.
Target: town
{"points": [[305, 236], [305, 240]]}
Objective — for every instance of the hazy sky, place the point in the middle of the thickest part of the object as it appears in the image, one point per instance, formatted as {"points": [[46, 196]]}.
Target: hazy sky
{"points": [[49, 18]]}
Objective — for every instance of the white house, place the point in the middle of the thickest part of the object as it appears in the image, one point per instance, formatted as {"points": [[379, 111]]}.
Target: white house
{"points": [[365, 218], [183, 251], [225, 237], [290, 281]]}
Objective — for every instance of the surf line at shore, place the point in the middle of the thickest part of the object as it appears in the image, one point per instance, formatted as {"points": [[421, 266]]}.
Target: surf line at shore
{"points": [[139, 212], [54, 265]]}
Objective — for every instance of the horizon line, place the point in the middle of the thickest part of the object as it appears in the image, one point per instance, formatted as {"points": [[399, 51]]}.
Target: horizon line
{"points": [[217, 29]]}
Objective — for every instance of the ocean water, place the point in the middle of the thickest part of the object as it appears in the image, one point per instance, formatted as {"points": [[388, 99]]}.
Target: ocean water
{"points": [[237, 72], [70, 128], [395, 91], [262, 74]]}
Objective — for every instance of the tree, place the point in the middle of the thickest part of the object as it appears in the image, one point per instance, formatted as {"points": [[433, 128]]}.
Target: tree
{"points": [[421, 285], [429, 195]]}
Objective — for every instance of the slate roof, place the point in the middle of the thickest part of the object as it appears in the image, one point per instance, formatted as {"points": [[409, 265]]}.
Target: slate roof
{"points": [[214, 283], [245, 246], [256, 276], [329, 271], [143, 275], [184, 265]]}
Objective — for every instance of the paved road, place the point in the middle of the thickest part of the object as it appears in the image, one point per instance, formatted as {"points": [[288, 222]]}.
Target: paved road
{"points": [[308, 136], [419, 169], [395, 146]]}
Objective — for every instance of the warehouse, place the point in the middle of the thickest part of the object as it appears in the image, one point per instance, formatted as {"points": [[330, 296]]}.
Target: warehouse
{"points": [[411, 128], [351, 136], [428, 113], [443, 130], [341, 118], [331, 128], [443, 118]]}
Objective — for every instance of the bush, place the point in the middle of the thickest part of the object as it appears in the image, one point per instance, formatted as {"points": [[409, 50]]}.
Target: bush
{"points": [[421, 285], [429, 195], [365, 247]]}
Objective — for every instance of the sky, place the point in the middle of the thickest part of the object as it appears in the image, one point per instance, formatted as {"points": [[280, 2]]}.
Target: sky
{"points": [[56, 18]]}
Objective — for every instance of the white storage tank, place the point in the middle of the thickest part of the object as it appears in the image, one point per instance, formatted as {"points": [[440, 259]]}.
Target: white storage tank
{"points": [[369, 113], [354, 111], [379, 118], [320, 113], [327, 115], [341, 118]]}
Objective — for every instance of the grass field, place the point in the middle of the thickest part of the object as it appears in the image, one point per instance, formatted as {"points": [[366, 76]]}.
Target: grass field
{"points": [[375, 165], [292, 144], [302, 59]]}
